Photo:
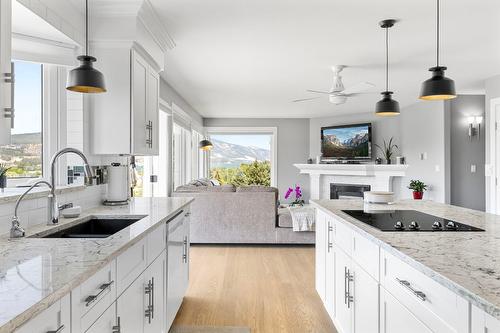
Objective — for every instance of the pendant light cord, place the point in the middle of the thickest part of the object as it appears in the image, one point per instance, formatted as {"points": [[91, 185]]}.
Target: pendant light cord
{"points": [[386, 58], [437, 35], [86, 27]]}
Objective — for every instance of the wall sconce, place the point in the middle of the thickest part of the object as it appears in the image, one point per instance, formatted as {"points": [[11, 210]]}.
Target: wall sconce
{"points": [[474, 127]]}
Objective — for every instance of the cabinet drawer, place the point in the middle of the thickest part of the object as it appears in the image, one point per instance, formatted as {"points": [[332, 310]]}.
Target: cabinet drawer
{"points": [[343, 236], [157, 241], [366, 254], [435, 305], [55, 317], [90, 299], [129, 265]]}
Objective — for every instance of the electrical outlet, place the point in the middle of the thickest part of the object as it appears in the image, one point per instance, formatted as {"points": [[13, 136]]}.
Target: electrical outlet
{"points": [[473, 168], [437, 168], [423, 156]]}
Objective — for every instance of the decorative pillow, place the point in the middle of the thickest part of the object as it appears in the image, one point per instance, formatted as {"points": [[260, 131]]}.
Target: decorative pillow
{"points": [[215, 182], [187, 188], [201, 182]]}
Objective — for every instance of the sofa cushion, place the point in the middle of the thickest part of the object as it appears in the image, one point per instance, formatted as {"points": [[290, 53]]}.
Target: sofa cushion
{"points": [[256, 188], [222, 188]]}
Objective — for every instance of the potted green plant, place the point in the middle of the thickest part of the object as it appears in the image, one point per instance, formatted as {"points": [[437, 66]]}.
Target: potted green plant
{"points": [[3, 175], [418, 188], [388, 150]]}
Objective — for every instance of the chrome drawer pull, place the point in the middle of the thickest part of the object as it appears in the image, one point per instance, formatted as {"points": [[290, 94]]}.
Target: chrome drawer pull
{"points": [[59, 330], [117, 328], [90, 299], [408, 286], [330, 229]]}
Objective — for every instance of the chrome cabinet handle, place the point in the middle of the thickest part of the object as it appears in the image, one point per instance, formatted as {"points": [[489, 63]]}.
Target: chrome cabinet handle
{"points": [[153, 297], [117, 328], [10, 78], [330, 229], [148, 290], [348, 278], [188, 214], [149, 129], [90, 299], [59, 330], [420, 295], [184, 250]]}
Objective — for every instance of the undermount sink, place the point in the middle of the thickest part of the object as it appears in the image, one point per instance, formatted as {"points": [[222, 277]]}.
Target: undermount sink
{"points": [[93, 227]]}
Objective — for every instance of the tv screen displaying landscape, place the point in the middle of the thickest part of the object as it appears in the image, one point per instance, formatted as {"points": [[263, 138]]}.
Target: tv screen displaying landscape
{"points": [[346, 142]]}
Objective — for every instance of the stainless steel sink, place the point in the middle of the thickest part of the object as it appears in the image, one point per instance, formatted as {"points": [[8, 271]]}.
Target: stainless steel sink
{"points": [[93, 227]]}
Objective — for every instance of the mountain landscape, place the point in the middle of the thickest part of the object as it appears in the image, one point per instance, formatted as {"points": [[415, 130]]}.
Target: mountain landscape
{"points": [[229, 155], [356, 146]]}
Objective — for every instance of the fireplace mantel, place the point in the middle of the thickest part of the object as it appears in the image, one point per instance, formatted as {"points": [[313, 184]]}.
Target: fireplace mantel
{"points": [[378, 176]]}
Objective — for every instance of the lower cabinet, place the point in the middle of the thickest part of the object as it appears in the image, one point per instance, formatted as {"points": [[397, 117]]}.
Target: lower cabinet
{"points": [[131, 307], [55, 318], [107, 322], [396, 318], [178, 264]]}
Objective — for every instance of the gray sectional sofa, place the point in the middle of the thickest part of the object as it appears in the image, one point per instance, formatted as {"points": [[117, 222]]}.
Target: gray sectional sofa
{"points": [[238, 215]]}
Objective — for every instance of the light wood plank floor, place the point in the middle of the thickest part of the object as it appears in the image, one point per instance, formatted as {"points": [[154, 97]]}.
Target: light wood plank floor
{"points": [[267, 288]]}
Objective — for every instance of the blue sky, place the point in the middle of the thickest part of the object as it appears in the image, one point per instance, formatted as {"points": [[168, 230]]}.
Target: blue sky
{"points": [[257, 140], [28, 98], [346, 133]]}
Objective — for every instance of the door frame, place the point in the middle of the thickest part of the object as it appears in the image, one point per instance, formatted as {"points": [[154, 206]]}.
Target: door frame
{"points": [[254, 130], [494, 161]]}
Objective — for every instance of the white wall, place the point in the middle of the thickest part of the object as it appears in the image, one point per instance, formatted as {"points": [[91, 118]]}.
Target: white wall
{"points": [[424, 130], [170, 95], [492, 89]]}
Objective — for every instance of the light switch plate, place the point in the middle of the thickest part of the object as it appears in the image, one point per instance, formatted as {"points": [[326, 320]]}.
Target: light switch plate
{"points": [[473, 168]]}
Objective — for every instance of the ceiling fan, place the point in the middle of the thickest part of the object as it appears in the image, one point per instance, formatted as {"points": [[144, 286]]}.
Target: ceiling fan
{"points": [[338, 94]]}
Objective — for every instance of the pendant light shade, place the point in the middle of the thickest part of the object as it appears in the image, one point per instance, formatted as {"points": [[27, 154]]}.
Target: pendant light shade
{"points": [[438, 87], [85, 78], [387, 106], [205, 145]]}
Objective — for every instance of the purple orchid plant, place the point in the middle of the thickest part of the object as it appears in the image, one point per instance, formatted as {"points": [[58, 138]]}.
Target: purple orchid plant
{"points": [[298, 196]]}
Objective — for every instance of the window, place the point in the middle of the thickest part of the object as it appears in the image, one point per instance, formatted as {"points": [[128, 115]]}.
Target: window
{"points": [[243, 156], [24, 154], [198, 166], [181, 155]]}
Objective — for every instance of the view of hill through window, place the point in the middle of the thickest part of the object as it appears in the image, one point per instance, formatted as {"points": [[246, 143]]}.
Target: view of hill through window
{"points": [[241, 159], [24, 154]]}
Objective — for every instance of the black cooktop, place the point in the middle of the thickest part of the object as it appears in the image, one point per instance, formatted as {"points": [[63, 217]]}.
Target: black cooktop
{"points": [[408, 220]]}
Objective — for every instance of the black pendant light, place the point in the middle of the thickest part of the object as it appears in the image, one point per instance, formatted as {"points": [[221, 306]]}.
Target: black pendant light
{"points": [[205, 145], [438, 87], [85, 78], [387, 106]]}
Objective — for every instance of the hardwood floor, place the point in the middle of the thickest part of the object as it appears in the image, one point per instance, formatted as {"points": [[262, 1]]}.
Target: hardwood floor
{"points": [[267, 288]]}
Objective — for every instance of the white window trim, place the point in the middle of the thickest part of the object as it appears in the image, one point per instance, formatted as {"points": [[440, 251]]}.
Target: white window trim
{"points": [[254, 130]]}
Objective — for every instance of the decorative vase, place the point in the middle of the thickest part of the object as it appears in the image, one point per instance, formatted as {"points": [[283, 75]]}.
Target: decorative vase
{"points": [[418, 195], [3, 182], [388, 161]]}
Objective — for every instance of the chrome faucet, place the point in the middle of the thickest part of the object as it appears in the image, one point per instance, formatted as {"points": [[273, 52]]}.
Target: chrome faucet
{"points": [[16, 231], [53, 205]]}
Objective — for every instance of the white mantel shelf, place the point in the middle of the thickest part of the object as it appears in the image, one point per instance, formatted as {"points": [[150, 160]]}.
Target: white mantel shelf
{"points": [[378, 176]]}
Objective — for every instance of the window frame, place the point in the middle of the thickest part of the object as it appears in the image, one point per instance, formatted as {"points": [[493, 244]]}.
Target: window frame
{"points": [[273, 131]]}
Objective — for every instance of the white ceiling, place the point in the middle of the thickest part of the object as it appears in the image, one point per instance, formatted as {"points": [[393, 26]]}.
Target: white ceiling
{"points": [[241, 58]]}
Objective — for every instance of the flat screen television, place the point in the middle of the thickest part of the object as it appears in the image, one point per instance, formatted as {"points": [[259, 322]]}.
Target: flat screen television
{"points": [[347, 142]]}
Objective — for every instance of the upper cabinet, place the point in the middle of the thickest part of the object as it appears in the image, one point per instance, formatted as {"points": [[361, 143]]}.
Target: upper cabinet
{"points": [[125, 119], [6, 76]]}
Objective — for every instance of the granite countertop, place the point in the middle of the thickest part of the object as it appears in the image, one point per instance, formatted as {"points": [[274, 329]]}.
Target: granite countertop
{"points": [[36, 272], [465, 262]]}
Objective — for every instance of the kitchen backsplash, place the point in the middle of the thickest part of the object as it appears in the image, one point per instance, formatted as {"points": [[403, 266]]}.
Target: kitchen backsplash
{"points": [[34, 211]]}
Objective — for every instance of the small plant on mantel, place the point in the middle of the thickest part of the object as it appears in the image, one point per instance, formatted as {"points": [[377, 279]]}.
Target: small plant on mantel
{"points": [[3, 176], [388, 150], [418, 188], [298, 196]]}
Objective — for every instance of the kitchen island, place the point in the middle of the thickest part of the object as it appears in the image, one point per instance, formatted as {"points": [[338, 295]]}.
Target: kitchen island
{"points": [[448, 281], [38, 273]]}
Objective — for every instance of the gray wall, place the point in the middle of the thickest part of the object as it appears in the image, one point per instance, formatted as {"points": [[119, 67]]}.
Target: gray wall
{"points": [[467, 188], [169, 94], [424, 130], [292, 145]]}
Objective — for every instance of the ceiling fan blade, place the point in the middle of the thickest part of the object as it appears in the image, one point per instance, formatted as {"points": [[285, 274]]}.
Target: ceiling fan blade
{"points": [[362, 93], [304, 99], [320, 92], [360, 87]]}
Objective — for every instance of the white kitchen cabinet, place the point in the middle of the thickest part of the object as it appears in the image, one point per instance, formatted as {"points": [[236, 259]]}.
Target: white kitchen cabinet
{"points": [[178, 264], [343, 303], [330, 268], [125, 118], [396, 318], [56, 318], [131, 307], [108, 322], [320, 249], [481, 322], [365, 305], [154, 278], [6, 86]]}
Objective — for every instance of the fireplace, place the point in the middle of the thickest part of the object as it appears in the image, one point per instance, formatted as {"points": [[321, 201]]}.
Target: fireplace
{"points": [[348, 191]]}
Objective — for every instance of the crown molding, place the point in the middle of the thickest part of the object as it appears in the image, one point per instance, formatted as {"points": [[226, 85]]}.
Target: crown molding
{"points": [[153, 24]]}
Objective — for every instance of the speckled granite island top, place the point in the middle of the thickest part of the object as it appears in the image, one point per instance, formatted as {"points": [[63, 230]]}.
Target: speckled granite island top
{"points": [[465, 262], [36, 272]]}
